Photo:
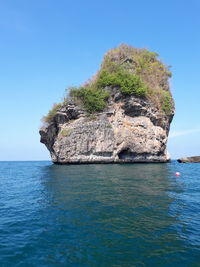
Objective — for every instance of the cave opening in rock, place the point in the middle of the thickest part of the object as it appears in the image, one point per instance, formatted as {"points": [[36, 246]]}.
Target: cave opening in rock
{"points": [[126, 154]]}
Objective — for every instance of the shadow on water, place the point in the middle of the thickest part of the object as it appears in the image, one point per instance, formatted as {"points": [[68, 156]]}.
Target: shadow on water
{"points": [[106, 215]]}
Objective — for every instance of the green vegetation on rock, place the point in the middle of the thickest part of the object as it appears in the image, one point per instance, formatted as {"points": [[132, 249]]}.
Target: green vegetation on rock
{"points": [[65, 132], [92, 99], [132, 71], [128, 84], [166, 101], [52, 112]]}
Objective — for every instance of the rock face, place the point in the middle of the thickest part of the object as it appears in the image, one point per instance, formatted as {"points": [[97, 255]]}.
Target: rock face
{"points": [[195, 159], [129, 129]]}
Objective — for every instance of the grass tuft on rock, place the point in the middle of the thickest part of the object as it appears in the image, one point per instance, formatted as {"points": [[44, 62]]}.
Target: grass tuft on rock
{"points": [[65, 132], [52, 112]]}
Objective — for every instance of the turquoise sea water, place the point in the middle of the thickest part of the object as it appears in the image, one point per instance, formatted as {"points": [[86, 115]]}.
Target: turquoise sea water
{"points": [[99, 215]]}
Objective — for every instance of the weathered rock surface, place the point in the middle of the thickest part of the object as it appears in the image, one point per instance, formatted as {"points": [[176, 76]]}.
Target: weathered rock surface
{"points": [[131, 129], [130, 107], [195, 159]]}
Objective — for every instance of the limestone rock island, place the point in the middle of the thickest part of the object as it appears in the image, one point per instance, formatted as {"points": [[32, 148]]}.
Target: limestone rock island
{"points": [[122, 114]]}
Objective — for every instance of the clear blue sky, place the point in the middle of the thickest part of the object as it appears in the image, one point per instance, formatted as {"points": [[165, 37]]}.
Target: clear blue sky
{"points": [[48, 45]]}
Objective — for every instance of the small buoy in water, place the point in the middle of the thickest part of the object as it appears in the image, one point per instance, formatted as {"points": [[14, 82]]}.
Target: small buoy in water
{"points": [[177, 174]]}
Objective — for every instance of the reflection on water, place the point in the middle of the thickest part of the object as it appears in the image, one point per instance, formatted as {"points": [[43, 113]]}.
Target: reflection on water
{"points": [[103, 215]]}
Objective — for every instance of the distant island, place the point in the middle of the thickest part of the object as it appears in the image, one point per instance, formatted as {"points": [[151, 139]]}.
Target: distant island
{"points": [[195, 159], [120, 115]]}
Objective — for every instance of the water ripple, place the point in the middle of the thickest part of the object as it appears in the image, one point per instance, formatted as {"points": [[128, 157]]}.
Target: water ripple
{"points": [[99, 215]]}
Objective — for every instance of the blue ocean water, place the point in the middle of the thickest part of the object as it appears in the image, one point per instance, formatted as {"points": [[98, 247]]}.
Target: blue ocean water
{"points": [[99, 215]]}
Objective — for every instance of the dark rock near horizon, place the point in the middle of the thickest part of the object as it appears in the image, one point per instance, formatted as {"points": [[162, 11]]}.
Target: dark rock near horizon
{"points": [[195, 159]]}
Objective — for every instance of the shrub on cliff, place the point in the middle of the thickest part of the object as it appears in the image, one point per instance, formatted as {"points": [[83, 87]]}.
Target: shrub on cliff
{"points": [[92, 99], [166, 101], [127, 83]]}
